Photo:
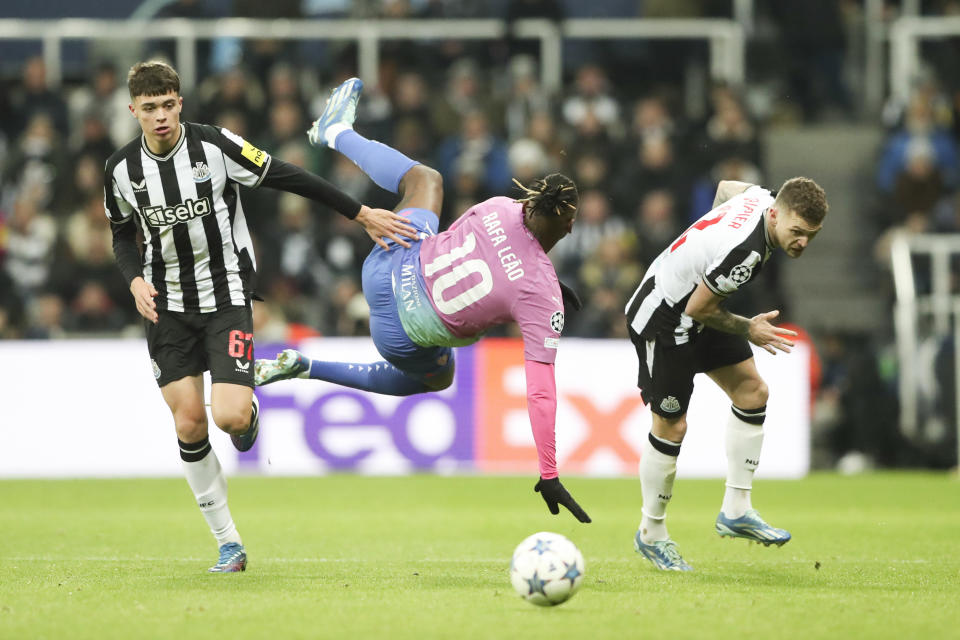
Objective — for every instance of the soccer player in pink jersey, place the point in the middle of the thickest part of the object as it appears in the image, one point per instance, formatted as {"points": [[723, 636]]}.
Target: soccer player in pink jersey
{"points": [[490, 267]]}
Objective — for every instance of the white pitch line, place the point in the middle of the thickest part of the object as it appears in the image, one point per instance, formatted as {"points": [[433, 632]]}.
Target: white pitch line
{"points": [[624, 558]]}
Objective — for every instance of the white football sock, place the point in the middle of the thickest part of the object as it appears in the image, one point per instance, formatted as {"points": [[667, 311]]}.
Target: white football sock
{"points": [[658, 468], [209, 486], [305, 374], [330, 133], [744, 442]]}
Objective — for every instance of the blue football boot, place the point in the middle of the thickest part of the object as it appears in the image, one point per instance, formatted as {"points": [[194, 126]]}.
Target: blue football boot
{"points": [[751, 527], [288, 364], [338, 114], [664, 554], [232, 558]]}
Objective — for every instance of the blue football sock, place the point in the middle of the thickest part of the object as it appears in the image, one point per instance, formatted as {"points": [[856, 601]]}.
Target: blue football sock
{"points": [[379, 377], [385, 165]]}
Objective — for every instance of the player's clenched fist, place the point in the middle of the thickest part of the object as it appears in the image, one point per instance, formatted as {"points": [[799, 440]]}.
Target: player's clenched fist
{"points": [[143, 294]]}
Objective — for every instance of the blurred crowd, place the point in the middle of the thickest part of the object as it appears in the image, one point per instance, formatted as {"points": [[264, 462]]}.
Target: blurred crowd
{"points": [[477, 113]]}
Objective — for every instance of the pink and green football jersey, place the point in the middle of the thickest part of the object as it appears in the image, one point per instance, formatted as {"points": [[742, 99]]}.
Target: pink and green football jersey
{"points": [[488, 269]]}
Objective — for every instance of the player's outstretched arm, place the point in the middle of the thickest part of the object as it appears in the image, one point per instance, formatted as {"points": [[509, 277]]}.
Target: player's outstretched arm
{"points": [[704, 306], [379, 223], [542, 408]]}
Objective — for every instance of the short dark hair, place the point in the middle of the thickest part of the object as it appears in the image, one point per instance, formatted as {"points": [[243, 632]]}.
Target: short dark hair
{"points": [[804, 197], [551, 196], [152, 78]]}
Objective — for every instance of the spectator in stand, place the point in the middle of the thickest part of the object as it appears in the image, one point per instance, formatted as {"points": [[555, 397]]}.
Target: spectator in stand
{"points": [[652, 167], [606, 275], [528, 160], [94, 139], [87, 181], [476, 146], [45, 317], [919, 124], [284, 85], [919, 185], [233, 91], [651, 119], [592, 170], [592, 98], [33, 98], [37, 161], [525, 96], [544, 130], [655, 224], [728, 131], [594, 224], [102, 98], [87, 257], [287, 124], [465, 95], [31, 235], [411, 104]]}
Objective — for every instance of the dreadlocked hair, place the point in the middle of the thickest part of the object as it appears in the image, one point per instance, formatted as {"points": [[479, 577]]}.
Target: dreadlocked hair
{"points": [[552, 196]]}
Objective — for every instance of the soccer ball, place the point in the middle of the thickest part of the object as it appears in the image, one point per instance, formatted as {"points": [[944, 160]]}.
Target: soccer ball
{"points": [[546, 569]]}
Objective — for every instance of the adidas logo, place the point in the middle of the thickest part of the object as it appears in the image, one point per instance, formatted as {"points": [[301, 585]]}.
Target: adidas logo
{"points": [[139, 186]]}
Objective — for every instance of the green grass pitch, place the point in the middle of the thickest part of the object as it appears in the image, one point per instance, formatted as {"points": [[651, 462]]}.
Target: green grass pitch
{"points": [[342, 556]]}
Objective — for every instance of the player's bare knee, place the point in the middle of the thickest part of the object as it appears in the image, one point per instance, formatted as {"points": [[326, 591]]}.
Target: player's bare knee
{"points": [[752, 394], [191, 425], [672, 429], [422, 187], [233, 420]]}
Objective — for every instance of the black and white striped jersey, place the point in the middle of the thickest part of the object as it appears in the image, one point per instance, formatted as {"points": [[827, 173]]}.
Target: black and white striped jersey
{"points": [[197, 251], [725, 249]]}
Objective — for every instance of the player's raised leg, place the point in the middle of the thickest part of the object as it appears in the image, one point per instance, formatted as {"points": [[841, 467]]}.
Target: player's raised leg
{"points": [[378, 377], [744, 441], [421, 187], [203, 471]]}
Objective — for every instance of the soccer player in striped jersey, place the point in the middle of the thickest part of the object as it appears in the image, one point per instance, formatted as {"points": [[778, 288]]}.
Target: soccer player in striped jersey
{"points": [[178, 184], [679, 327], [449, 288]]}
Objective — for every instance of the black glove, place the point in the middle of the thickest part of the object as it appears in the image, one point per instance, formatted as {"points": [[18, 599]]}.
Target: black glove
{"points": [[570, 297], [553, 494]]}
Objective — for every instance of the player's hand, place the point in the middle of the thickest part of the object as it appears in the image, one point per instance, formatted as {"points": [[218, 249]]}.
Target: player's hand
{"points": [[555, 494], [380, 224], [143, 294], [764, 334]]}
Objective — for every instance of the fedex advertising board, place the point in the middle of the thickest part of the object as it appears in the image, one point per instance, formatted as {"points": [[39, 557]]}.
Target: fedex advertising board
{"points": [[92, 408]]}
